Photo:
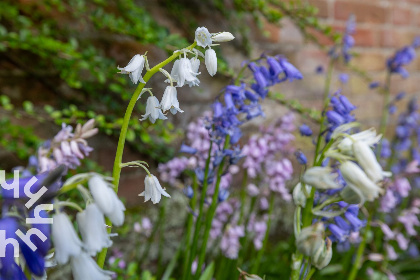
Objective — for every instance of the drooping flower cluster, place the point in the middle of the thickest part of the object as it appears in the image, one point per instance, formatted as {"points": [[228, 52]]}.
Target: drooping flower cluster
{"points": [[401, 58], [347, 42], [66, 147], [184, 72], [341, 113]]}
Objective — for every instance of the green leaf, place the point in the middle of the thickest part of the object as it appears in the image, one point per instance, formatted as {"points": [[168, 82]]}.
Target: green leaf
{"points": [[208, 273]]}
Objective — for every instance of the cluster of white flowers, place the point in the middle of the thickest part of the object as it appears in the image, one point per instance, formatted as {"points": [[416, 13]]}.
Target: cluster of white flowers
{"points": [[101, 201], [358, 166], [184, 72]]}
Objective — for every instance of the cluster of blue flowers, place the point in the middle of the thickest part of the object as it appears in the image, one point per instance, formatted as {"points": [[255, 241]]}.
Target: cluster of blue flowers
{"points": [[347, 41], [402, 57], [341, 113]]}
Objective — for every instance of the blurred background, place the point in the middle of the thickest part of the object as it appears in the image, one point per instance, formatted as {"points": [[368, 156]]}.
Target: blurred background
{"points": [[58, 63]]}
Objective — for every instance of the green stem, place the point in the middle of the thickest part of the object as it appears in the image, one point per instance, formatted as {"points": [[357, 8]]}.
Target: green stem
{"points": [[243, 196], [123, 134], [257, 262], [212, 211], [307, 211], [187, 274], [190, 224], [360, 251], [311, 272]]}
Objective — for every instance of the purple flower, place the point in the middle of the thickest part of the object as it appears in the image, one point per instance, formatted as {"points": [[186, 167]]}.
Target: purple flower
{"points": [[187, 149], [305, 130], [402, 57], [301, 158], [344, 78], [373, 85]]}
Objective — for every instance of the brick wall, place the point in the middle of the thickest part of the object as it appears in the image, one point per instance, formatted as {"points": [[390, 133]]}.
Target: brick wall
{"points": [[382, 26]]}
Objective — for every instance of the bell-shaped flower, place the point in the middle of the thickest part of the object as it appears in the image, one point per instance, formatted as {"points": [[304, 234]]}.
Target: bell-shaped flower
{"points": [[134, 68], [300, 195], [107, 200], [368, 137], [183, 73], [170, 101], [359, 182], [195, 65], [310, 239], [66, 241], [211, 62], [223, 37], [85, 268], [153, 190], [320, 178], [93, 230], [367, 160], [203, 37], [153, 111], [323, 257]]}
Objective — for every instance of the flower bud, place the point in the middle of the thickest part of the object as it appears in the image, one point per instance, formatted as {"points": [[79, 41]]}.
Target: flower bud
{"points": [[299, 196], [211, 61], [311, 239], [223, 37], [320, 178], [323, 257]]}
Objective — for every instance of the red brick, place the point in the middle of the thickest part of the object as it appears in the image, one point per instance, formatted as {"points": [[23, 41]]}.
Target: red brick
{"points": [[401, 16], [364, 12], [322, 6], [366, 37], [416, 18], [396, 37], [370, 61]]}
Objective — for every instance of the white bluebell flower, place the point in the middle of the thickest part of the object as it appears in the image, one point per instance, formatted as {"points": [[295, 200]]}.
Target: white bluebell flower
{"points": [[359, 182], [195, 64], [203, 37], [323, 256], [170, 101], [299, 195], [66, 241], [311, 239], [85, 268], [211, 61], [153, 190], [107, 200], [153, 111], [368, 137], [320, 178], [222, 37], [367, 160], [183, 73], [134, 68], [93, 230]]}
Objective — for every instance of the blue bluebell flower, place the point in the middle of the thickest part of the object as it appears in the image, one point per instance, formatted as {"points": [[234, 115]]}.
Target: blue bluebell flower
{"points": [[344, 78], [301, 158], [305, 130], [188, 192], [338, 233], [373, 85], [187, 149], [402, 57], [223, 195]]}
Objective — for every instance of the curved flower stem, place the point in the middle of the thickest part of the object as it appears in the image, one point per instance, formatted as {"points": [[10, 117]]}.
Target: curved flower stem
{"points": [[360, 251], [123, 134], [211, 212], [187, 273], [257, 262]]}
